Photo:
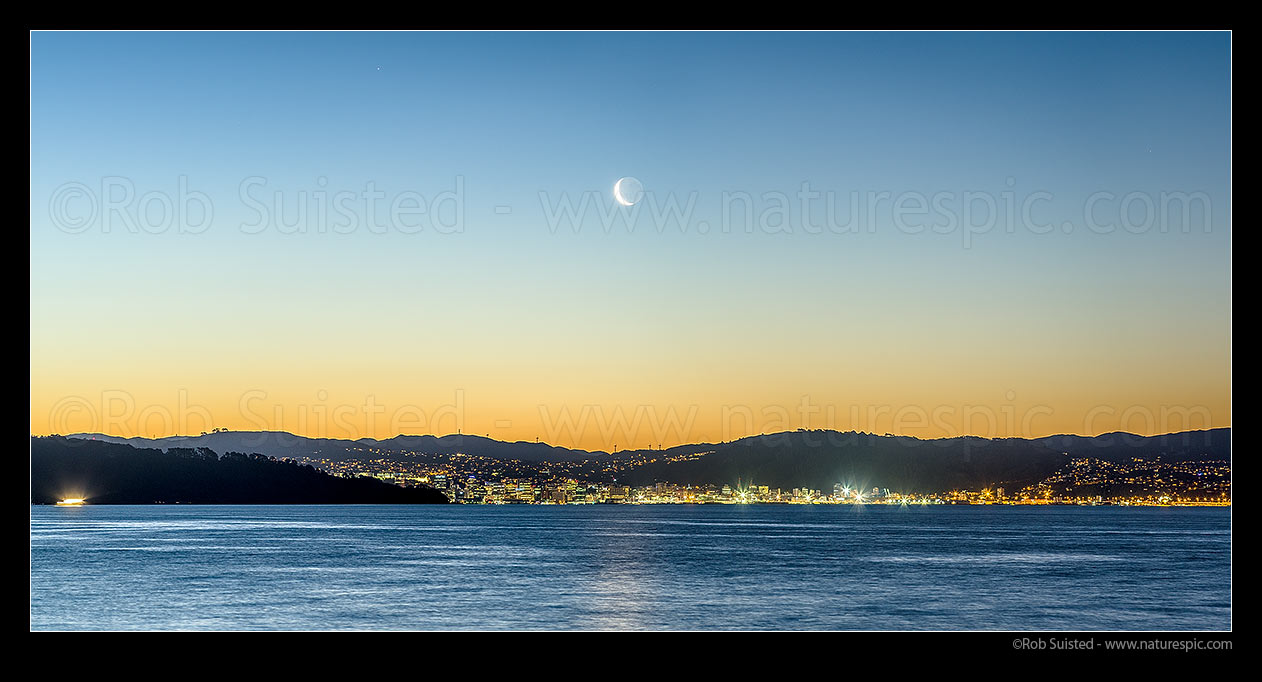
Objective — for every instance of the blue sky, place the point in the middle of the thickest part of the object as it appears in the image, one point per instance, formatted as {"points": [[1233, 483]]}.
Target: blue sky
{"points": [[513, 116]]}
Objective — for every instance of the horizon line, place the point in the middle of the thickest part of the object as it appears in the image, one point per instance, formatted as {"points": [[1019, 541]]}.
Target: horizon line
{"points": [[615, 450]]}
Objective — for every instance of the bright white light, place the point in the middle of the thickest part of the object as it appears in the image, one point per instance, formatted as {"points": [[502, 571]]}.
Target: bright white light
{"points": [[627, 191]]}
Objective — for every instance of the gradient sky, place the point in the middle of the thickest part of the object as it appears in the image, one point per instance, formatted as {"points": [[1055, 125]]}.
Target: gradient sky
{"points": [[508, 322]]}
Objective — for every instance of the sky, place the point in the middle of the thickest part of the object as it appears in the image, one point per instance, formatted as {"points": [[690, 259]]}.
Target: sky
{"points": [[363, 234]]}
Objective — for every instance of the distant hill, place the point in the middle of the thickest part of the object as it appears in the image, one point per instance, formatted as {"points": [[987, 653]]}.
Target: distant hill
{"points": [[284, 444], [117, 473], [278, 444], [821, 458], [816, 459], [485, 447], [1119, 446]]}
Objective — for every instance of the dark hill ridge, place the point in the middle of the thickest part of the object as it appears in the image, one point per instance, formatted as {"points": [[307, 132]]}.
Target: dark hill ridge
{"points": [[1211, 444], [278, 444], [485, 447], [117, 473], [816, 459], [284, 444], [821, 458]]}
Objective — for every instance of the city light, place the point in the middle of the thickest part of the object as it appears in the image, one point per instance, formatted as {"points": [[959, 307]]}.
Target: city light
{"points": [[472, 479]]}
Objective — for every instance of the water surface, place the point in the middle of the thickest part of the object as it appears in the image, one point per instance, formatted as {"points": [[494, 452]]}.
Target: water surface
{"points": [[629, 567]]}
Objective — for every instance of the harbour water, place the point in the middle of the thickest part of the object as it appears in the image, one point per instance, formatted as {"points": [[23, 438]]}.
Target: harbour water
{"points": [[630, 567]]}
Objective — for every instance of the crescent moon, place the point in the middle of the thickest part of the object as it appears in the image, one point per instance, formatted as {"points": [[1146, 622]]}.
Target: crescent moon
{"points": [[617, 193]]}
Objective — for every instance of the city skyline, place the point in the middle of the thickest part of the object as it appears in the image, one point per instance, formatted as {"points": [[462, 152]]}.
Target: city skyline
{"points": [[1192, 467], [1188, 469]]}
